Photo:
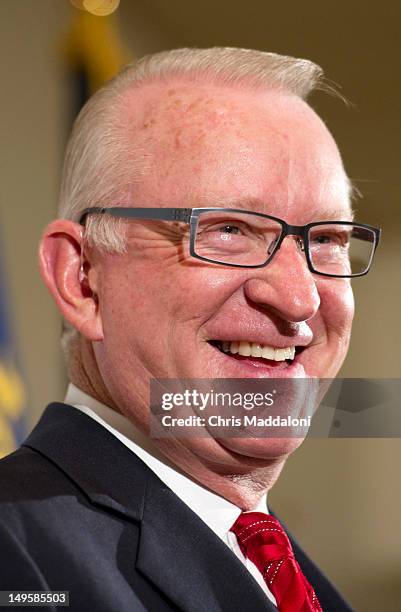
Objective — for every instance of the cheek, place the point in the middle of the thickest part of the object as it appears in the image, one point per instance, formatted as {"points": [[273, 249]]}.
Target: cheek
{"points": [[337, 306], [187, 289], [158, 299]]}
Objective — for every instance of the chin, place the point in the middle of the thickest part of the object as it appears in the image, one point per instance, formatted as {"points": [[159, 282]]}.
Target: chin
{"points": [[261, 448]]}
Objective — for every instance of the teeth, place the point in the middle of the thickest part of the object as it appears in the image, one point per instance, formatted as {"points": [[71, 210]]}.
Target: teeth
{"points": [[245, 349], [233, 347], [290, 352], [280, 354], [254, 349], [268, 352]]}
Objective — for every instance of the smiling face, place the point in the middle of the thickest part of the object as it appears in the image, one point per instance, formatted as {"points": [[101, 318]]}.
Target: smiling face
{"points": [[163, 312]]}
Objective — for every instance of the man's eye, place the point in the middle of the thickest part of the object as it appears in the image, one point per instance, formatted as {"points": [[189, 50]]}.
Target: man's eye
{"points": [[322, 239], [229, 229], [226, 229], [333, 239]]}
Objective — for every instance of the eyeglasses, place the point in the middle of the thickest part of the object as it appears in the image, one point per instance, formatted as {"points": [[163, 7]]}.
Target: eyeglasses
{"points": [[246, 239]]}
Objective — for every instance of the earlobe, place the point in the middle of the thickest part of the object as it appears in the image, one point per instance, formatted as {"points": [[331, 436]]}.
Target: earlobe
{"points": [[65, 274]]}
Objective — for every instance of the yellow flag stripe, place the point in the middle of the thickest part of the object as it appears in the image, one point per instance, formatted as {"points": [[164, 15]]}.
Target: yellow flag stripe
{"points": [[12, 394], [94, 45], [7, 441]]}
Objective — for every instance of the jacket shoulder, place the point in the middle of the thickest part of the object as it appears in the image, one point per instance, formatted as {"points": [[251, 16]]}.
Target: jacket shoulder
{"points": [[26, 473]]}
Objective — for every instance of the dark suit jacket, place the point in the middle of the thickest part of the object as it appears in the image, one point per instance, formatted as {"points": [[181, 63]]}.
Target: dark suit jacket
{"points": [[80, 512]]}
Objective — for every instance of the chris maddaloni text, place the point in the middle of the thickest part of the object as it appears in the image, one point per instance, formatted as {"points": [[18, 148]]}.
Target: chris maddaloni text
{"points": [[246, 420]]}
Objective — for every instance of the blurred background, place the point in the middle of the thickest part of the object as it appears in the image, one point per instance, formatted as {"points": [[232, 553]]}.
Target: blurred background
{"points": [[341, 498]]}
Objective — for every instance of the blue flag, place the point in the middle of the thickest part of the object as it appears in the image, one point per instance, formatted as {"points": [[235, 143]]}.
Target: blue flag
{"points": [[12, 392]]}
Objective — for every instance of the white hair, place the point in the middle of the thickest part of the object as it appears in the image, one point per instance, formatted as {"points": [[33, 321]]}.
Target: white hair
{"points": [[101, 161]]}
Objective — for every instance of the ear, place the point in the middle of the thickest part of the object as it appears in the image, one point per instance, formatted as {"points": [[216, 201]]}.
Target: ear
{"points": [[60, 266]]}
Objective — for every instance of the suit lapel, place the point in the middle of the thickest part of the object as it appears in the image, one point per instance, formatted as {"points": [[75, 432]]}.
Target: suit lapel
{"points": [[107, 472], [177, 552], [188, 562]]}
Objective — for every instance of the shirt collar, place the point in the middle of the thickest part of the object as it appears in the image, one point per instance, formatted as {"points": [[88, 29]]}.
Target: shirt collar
{"points": [[216, 511]]}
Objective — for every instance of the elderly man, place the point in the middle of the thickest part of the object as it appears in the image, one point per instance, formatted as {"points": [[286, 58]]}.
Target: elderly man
{"points": [[204, 231]]}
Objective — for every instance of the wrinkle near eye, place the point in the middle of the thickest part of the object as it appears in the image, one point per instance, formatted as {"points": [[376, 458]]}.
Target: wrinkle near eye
{"points": [[162, 247], [155, 234]]}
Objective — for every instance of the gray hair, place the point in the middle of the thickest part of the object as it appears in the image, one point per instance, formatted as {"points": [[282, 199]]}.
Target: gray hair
{"points": [[101, 161]]}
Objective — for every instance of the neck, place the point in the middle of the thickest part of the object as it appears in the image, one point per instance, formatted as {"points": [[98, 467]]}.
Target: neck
{"points": [[84, 373], [243, 486]]}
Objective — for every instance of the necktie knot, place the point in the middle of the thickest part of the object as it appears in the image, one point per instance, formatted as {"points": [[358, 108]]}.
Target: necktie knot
{"points": [[255, 529], [262, 539]]}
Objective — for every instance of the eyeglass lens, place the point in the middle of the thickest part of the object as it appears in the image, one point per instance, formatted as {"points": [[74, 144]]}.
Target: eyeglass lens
{"points": [[249, 240]]}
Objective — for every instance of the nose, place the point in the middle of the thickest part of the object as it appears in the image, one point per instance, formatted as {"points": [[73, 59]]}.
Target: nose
{"points": [[285, 286]]}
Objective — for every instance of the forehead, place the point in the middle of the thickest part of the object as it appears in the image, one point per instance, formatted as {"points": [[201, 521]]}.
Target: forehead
{"points": [[218, 146]]}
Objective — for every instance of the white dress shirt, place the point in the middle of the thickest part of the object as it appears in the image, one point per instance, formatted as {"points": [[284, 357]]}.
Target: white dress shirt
{"points": [[217, 512]]}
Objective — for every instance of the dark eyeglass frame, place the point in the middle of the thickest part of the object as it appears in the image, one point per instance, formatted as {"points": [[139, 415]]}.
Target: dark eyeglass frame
{"points": [[192, 215]]}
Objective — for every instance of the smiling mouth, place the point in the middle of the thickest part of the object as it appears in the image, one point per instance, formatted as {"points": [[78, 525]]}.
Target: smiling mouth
{"points": [[263, 354]]}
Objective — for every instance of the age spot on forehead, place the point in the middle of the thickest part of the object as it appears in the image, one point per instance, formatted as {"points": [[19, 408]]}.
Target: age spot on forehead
{"points": [[179, 108]]}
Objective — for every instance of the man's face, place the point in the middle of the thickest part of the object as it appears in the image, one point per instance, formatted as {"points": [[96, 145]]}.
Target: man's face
{"points": [[160, 308]]}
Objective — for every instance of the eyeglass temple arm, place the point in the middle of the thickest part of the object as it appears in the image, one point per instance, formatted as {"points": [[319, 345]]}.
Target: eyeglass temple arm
{"points": [[158, 214]]}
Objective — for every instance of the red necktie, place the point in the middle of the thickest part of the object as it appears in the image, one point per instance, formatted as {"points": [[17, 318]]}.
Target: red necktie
{"points": [[264, 542]]}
